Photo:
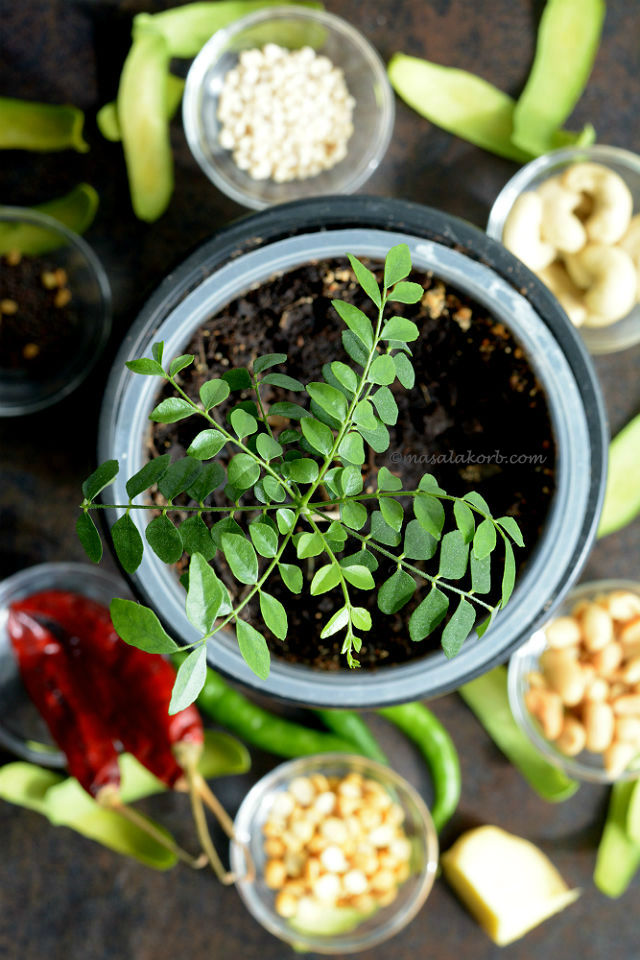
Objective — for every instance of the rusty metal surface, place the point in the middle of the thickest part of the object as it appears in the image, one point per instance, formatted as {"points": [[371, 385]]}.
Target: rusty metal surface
{"points": [[64, 897]]}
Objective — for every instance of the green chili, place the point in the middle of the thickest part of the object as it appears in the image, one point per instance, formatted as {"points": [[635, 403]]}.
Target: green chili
{"points": [[266, 730], [142, 115], [186, 29], [568, 39], [487, 697], [75, 210], [27, 125], [438, 749], [107, 116], [622, 495], [351, 727], [618, 855]]}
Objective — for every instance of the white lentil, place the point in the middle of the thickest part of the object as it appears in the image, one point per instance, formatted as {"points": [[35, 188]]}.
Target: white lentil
{"points": [[289, 110]]}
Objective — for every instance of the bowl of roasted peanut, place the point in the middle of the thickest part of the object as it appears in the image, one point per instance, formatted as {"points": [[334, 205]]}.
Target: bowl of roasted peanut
{"points": [[334, 853], [573, 217], [574, 687]]}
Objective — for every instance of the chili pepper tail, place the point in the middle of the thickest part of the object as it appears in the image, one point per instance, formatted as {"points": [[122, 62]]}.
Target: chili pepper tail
{"points": [[110, 799]]}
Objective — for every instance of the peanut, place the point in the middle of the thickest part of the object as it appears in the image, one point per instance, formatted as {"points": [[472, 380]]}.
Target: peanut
{"points": [[628, 729], [617, 758], [597, 689], [623, 605], [563, 632], [597, 627], [599, 726], [564, 675], [546, 707], [627, 703], [536, 679], [608, 659], [573, 738], [630, 673], [630, 633]]}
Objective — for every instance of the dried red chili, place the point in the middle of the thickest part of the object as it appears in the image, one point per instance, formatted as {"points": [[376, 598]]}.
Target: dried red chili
{"points": [[122, 697], [130, 689], [47, 672]]}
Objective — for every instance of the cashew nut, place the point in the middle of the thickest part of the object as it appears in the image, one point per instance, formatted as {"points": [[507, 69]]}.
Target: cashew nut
{"points": [[521, 234], [631, 243], [556, 278], [608, 277], [612, 200], [560, 225]]}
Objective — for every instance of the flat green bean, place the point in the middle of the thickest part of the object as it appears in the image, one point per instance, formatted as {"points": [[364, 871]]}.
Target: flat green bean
{"points": [[142, 115], [107, 116], [618, 855], [622, 494], [27, 125], [568, 39], [186, 29], [64, 802], [459, 102], [487, 697], [75, 210]]}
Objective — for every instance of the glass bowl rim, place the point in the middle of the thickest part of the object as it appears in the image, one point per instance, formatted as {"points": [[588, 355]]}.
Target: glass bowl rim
{"points": [[244, 822], [209, 55], [570, 765], [38, 218]]}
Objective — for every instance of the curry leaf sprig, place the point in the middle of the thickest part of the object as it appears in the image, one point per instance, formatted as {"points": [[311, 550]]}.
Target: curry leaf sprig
{"points": [[302, 490]]}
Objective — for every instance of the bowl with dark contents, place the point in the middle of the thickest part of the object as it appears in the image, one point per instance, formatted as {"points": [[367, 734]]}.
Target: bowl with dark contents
{"points": [[505, 402], [55, 311]]}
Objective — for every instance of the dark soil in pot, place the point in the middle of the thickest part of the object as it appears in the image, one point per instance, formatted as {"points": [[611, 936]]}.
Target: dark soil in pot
{"points": [[477, 418]]}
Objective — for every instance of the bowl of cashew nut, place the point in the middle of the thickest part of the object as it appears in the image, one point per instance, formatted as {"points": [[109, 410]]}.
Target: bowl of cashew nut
{"points": [[573, 217]]}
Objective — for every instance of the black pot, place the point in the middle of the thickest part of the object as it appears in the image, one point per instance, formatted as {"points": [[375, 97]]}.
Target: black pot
{"points": [[249, 252]]}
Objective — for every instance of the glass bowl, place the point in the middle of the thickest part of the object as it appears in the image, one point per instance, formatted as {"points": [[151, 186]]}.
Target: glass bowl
{"points": [[290, 27], [375, 928], [22, 729], [587, 765], [89, 312], [623, 333]]}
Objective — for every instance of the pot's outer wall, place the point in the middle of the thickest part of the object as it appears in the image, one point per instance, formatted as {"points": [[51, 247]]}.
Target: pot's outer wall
{"points": [[390, 685]]}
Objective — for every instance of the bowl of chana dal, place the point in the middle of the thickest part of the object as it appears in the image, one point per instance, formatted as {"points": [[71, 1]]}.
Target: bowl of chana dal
{"points": [[335, 853]]}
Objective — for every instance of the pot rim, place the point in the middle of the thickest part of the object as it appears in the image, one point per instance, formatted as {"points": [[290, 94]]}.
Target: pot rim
{"points": [[412, 680]]}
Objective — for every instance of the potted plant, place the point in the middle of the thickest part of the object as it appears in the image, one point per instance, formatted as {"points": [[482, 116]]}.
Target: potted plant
{"points": [[300, 459]]}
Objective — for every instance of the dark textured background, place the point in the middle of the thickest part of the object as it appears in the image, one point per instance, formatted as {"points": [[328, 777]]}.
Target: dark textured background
{"points": [[64, 897]]}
